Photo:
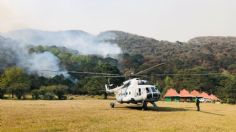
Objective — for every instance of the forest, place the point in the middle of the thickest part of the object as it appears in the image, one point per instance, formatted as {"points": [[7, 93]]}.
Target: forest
{"points": [[205, 63]]}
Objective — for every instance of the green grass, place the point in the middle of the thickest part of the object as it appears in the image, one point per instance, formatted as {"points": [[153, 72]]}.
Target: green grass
{"points": [[96, 115]]}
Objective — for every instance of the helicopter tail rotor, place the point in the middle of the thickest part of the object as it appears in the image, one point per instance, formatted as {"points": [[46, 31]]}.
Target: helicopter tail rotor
{"points": [[107, 89]]}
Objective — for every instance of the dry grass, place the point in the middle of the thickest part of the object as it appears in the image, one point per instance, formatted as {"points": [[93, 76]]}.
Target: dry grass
{"points": [[96, 115]]}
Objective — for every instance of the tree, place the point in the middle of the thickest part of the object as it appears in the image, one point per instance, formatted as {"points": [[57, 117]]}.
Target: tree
{"points": [[108, 68], [168, 82], [46, 92], [60, 91], [2, 87], [95, 86], [19, 89], [49, 92], [35, 93], [230, 89], [15, 81], [2, 90]]}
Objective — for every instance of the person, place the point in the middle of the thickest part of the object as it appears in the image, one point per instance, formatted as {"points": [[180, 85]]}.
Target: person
{"points": [[198, 104]]}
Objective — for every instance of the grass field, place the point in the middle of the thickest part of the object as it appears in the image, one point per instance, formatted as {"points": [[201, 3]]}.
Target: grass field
{"points": [[96, 115]]}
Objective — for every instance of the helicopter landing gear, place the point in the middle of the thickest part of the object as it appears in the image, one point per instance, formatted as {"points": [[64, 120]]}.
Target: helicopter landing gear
{"points": [[112, 104], [144, 106], [154, 105]]}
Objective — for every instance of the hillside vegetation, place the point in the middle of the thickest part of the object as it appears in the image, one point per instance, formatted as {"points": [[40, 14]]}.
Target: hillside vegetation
{"points": [[213, 53], [203, 63]]}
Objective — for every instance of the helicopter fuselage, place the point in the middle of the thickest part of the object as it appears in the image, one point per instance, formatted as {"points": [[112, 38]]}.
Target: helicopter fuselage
{"points": [[135, 91], [137, 94]]}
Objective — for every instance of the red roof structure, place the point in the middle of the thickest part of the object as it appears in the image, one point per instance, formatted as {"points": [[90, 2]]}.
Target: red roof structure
{"points": [[185, 93], [195, 93], [205, 95], [171, 92], [213, 97]]}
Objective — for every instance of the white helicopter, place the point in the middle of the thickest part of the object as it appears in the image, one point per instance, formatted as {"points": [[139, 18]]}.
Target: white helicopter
{"points": [[135, 91]]}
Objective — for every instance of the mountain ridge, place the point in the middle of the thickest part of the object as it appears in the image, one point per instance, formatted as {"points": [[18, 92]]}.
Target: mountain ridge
{"points": [[209, 51]]}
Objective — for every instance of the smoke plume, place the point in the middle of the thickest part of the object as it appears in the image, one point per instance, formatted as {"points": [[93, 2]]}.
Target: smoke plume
{"points": [[83, 42], [14, 51]]}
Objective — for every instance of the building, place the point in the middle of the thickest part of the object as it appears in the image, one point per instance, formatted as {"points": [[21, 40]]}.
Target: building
{"points": [[185, 96], [205, 97], [213, 97], [195, 93], [172, 95]]}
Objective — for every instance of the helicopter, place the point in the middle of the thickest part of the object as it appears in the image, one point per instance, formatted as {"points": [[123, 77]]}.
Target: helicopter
{"points": [[135, 91]]}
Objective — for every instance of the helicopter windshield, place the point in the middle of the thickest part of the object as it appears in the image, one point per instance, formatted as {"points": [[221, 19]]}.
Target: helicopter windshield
{"points": [[153, 89], [147, 90], [150, 89], [126, 85]]}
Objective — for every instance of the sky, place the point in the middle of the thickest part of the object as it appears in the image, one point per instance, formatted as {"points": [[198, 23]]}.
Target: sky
{"points": [[170, 20]]}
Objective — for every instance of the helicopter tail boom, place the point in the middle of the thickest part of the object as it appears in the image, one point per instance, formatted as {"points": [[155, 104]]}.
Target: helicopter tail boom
{"points": [[113, 90], [108, 90]]}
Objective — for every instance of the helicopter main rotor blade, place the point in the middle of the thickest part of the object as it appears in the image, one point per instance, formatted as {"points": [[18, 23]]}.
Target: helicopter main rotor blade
{"points": [[149, 69], [106, 76], [90, 73], [188, 74]]}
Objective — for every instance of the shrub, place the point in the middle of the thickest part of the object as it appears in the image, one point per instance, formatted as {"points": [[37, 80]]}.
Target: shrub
{"points": [[2, 92], [60, 91], [35, 94], [49, 96], [50, 92]]}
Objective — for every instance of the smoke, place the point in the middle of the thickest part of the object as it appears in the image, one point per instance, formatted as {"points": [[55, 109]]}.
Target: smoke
{"points": [[83, 42], [14, 53], [44, 64]]}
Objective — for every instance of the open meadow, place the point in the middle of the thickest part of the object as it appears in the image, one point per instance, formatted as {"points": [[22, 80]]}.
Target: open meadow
{"points": [[96, 115]]}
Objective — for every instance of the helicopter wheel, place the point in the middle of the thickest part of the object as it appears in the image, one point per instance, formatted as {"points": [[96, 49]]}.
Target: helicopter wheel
{"points": [[112, 104], [144, 107]]}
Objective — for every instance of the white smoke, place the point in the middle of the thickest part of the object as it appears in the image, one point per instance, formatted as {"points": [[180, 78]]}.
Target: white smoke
{"points": [[44, 64], [85, 43]]}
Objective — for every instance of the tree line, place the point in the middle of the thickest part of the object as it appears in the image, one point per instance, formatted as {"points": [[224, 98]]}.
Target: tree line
{"points": [[16, 82]]}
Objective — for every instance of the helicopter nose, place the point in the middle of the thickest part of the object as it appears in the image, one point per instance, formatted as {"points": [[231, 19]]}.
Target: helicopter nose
{"points": [[149, 96], [154, 96]]}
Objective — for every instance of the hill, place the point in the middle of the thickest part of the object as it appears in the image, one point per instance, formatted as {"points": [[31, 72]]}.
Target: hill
{"points": [[78, 40], [119, 52], [211, 52]]}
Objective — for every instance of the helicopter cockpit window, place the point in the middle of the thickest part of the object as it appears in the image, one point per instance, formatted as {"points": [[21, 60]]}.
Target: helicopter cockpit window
{"points": [[126, 85], [153, 89], [147, 90]]}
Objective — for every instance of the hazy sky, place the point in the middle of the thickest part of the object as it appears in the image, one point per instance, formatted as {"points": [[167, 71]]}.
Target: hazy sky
{"points": [[161, 19]]}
